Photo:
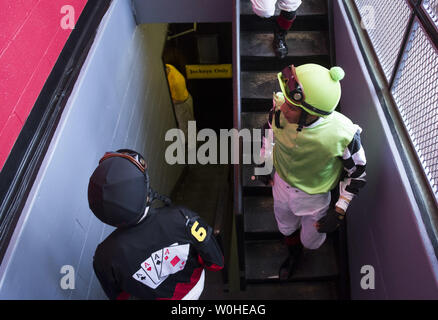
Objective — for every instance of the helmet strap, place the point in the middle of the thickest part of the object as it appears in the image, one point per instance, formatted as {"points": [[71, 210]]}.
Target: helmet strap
{"points": [[153, 195], [277, 119], [302, 120]]}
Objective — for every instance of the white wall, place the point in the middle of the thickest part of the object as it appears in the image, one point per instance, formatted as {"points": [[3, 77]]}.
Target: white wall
{"points": [[120, 100]]}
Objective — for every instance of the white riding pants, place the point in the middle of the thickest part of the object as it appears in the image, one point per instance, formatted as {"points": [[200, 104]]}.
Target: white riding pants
{"points": [[266, 8], [294, 208]]}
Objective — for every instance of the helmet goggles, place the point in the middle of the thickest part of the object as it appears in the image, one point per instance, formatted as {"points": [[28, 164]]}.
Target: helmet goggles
{"points": [[134, 157]]}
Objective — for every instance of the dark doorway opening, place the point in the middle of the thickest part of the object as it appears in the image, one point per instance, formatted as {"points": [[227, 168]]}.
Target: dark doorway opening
{"points": [[200, 44]]}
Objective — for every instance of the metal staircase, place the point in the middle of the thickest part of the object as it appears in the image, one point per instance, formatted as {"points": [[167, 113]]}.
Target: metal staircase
{"points": [[261, 250]]}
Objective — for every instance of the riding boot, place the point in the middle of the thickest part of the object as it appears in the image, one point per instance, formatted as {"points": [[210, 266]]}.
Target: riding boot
{"points": [[295, 249], [282, 25]]}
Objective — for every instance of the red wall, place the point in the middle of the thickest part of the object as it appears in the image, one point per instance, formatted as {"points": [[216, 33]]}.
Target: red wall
{"points": [[31, 39]]}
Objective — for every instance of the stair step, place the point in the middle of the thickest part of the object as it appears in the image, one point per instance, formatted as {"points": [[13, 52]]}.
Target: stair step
{"points": [[256, 105], [300, 44], [324, 290], [304, 47], [252, 147], [258, 85], [301, 23], [264, 64], [274, 64], [259, 215], [264, 257], [254, 120], [247, 173], [307, 8]]}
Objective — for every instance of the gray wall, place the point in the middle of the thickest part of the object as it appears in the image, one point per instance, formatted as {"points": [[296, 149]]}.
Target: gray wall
{"points": [[385, 228], [172, 11], [121, 99]]}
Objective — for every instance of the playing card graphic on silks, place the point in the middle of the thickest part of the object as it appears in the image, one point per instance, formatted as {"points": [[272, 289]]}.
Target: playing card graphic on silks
{"points": [[174, 259], [141, 276], [149, 268], [157, 258]]}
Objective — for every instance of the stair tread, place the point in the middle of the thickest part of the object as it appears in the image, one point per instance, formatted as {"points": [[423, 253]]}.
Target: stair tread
{"points": [[300, 43], [258, 85], [264, 257], [259, 214], [326, 290], [323, 290], [267, 64], [247, 173], [308, 7], [254, 120], [256, 105]]}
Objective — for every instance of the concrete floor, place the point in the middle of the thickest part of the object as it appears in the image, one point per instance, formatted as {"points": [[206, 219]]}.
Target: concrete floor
{"points": [[199, 188]]}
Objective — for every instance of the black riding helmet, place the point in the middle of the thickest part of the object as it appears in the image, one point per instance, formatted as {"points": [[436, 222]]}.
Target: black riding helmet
{"points": [[119, 191]]}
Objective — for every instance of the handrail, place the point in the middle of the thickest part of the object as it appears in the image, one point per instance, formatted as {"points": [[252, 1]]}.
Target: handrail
{"points": [[237, 194], [236, 103]]}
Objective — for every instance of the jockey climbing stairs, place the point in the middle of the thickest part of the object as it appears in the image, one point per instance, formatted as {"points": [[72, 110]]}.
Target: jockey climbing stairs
{"points": [[318, 273]]}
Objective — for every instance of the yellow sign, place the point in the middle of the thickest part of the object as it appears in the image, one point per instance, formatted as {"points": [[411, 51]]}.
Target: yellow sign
{"points": [[209, 71]]}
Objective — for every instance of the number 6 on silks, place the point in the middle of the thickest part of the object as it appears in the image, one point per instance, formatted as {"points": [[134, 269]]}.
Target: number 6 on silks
{"points": [[199, 233], [201, 236]]}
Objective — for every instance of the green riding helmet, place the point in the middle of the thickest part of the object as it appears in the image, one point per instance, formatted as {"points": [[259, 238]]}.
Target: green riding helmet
{"points": [[312, 87]]}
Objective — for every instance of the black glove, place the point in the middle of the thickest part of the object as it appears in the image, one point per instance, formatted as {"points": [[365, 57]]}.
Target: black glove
{"points": [[330, 222]]}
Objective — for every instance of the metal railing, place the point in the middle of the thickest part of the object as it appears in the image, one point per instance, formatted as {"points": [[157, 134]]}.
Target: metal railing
{"points": [[431, 7], [237, 182], [403, 43], [391, 17], [415, 93], [399, 41]]}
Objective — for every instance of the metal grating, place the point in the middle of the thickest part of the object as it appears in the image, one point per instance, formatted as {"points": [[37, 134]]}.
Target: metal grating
{"points": [[431, 7], [385, 22], [415, 92]]}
